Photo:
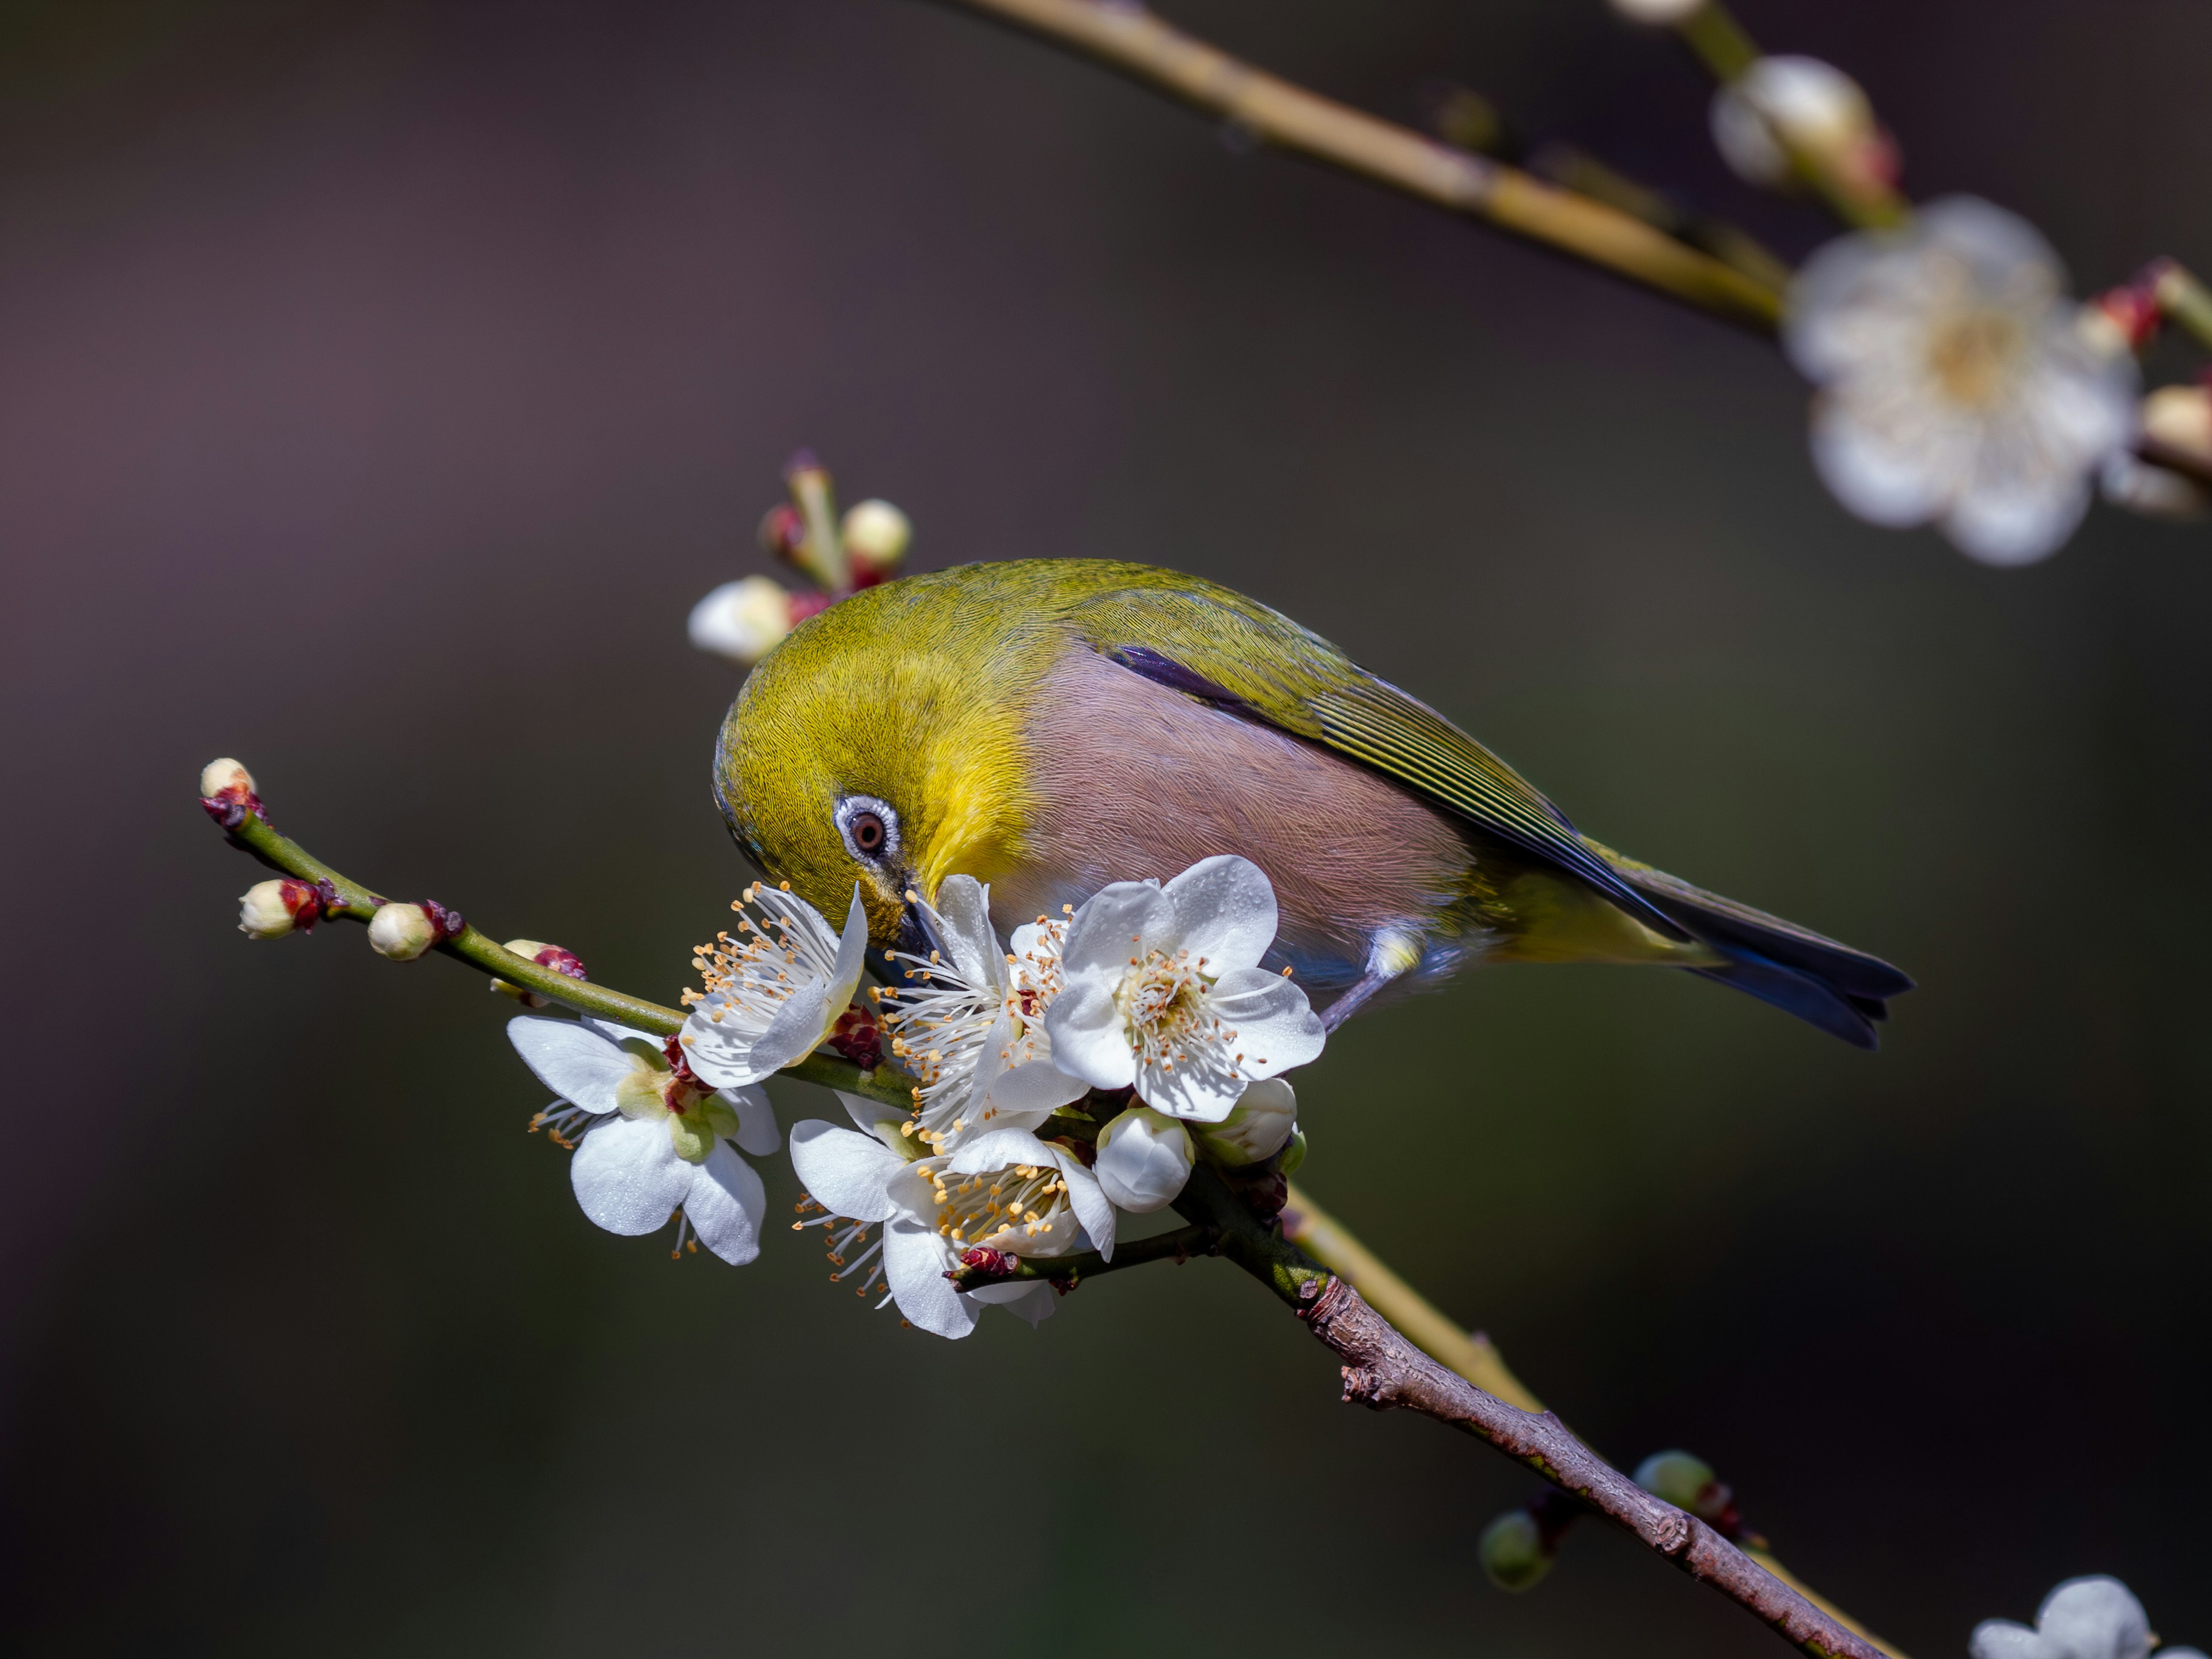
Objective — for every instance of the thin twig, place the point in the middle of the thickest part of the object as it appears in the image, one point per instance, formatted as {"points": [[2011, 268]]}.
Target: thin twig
{"points": [[1470, 1353], [1275, 110], [1067, 1271], [1384, 1369]]}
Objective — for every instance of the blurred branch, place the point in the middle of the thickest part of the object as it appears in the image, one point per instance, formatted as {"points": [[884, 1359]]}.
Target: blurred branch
{"points": [[1470, 1353], [1384, 1369], [1276, 111]]}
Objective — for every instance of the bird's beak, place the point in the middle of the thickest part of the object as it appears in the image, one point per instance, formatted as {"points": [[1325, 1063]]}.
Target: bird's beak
{"points": [[915, 936]]}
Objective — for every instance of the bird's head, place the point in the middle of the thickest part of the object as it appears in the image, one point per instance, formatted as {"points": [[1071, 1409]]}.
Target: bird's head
{"points": [[861, 750]]}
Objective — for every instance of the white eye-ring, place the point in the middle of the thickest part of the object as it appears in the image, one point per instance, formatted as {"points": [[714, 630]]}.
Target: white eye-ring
{"points": [[871, 828]]}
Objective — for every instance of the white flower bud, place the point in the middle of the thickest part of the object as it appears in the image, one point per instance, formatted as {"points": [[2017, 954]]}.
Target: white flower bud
{"points": [[876, 536], [401, 932], [1256, 1127], [2180, 418], [271, 909], [1800, 103], [1514, 1553], [1658, 11], [219, 777], [743, 620], [1144, 1158]]}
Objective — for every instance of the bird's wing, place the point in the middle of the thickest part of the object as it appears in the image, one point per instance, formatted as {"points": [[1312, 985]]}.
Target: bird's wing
{"points": [[1233, 653]]}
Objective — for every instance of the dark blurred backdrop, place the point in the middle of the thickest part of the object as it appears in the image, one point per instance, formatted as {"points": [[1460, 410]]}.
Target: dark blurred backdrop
{"points": [[379, 385]]}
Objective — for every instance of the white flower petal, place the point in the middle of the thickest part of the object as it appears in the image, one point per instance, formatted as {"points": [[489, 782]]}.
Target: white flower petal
{"points": [[796, 1031], [2094, 1617], [720, 1052], [1029, 1299], [915, 1261], [1875, 479], [844, 1171], [1276, 1027], [1224, 910], [1088, 1200], [964, 912], [1198, 1094], [1102, 934], [1089, 1040], [852, 955], [725, 1204], [756, 1130], [1033, 1089], [579, 1066], [2000, 1638], [641, 1043], [868, 1114], [998, 1148], [627, 1177], [2016, 523]]}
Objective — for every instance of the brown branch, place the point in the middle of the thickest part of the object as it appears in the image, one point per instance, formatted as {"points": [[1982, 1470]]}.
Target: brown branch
{"points": [[1277, 111], [1384, 1369]]}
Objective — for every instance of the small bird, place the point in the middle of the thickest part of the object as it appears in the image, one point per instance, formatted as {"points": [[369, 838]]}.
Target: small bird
{"points": [[1048, 727]]}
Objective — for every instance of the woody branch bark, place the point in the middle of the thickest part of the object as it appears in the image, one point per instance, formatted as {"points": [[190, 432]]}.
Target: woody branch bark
{"points": [[1280, 112], [1383, 1368]]}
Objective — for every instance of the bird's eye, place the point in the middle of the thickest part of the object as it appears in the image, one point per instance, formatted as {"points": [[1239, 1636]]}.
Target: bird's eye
{"points": [[870, 828]]}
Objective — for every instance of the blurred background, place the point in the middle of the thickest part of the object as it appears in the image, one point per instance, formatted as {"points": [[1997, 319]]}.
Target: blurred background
{"points": [[379, 385]]}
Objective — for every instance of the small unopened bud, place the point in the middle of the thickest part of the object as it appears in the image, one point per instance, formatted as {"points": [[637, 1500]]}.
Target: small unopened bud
{"points": [[2180, 418], [223, 777], [877, 534], [271, 909], [1143, 1159], [742, 620], [782, 532], [1514, 1551], [566, 962], [1784, 104], [1685, 1481], [403, 932], [1263, 1119]]}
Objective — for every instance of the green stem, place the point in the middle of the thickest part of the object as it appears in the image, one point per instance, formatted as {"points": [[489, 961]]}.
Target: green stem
{"points": [[480, 952], [1069, 1271], [2184, 300]]}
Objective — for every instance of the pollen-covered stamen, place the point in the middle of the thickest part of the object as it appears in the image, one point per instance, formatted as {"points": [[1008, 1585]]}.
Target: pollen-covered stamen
{"points": [[941, 1025], [756, 971], [1168, 1016], [564, 1125], [1005, 1207]]}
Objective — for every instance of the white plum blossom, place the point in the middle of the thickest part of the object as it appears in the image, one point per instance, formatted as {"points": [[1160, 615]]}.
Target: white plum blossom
{"points": [[1957, 384], [970, 1022], [1143, 1159], [1006, 1191], [2084, 1619], [1266, 1117], [654, 1142], [774, 995], [1164, 992]]}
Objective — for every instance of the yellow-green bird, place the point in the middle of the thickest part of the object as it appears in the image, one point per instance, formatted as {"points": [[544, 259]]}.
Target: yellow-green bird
{"points": [[1050, 725]]}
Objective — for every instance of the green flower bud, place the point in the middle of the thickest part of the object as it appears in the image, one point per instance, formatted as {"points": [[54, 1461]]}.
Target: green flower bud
{"points": [[1514, 1551], [1293, 1154], [1686, 1482]]}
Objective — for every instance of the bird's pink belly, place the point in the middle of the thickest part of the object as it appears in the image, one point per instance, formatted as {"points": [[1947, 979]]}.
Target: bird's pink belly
{"points": [[1134, 781]]}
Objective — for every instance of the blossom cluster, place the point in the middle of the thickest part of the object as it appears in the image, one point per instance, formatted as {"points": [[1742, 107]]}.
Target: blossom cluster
{"points": [[1075, 1072]]}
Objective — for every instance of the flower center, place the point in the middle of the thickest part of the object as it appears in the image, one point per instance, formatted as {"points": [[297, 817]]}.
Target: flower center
{"points": [[1020, 1200], [1972, 353], [1164, 1008]]}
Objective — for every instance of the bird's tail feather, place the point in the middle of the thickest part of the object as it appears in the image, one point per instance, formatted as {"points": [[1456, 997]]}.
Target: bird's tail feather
{"points": [[1843, 991]]}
